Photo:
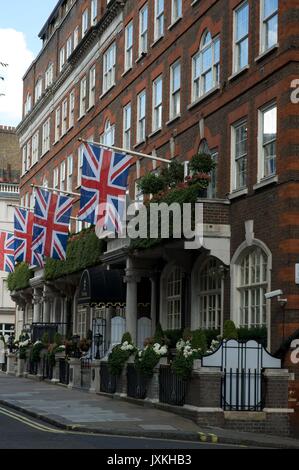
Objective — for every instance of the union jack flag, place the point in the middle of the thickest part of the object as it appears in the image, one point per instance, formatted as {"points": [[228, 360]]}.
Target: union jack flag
{"points": [[7, 262], [103, 187], [23, 235], [50, 226]]}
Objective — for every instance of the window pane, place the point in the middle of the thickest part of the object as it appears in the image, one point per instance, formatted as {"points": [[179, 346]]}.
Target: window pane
{"points": [[242, 22], [270, 6]]}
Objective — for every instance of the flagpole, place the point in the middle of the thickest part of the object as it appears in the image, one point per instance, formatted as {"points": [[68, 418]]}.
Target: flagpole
{"points": [[127, 151], [32, 210], [70, 193]]}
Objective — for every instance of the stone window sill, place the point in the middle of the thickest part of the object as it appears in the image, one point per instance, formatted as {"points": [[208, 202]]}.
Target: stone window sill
{"points": [[265, 182], [265, 53], [238, 193], [203, 97], [239, 72]]}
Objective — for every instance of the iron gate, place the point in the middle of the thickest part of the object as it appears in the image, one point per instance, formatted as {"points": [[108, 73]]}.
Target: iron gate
{"points": [[64, 371], [136, 383], [172, 388], [242, 365], [99, 344], [108, 381]]}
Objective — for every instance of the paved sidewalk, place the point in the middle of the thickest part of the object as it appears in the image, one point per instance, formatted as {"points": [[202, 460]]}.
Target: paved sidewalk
{"points": [[82, 411]]}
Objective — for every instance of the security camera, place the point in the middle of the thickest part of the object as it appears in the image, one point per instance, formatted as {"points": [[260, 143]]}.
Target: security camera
{"points": [[273, 293]]}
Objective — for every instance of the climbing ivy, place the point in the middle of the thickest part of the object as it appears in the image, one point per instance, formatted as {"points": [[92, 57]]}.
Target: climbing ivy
{"points": [[20, 278], [83, 251]]}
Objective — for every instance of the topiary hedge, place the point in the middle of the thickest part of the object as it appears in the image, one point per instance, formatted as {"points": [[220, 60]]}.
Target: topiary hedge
{"points": [[20, 278], [83, 251]]}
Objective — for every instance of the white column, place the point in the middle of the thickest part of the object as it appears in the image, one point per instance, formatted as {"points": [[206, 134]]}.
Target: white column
{"points": [[36, 306], [131, 300]]}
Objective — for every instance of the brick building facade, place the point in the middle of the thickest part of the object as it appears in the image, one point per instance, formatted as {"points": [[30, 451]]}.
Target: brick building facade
{"points": [[169, 78], [9, 194]]}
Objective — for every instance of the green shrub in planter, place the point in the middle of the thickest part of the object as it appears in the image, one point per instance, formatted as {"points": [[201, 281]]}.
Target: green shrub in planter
{"points": [[211, 335], [173, 337], [126, 337], [120, 354], [199, 340], [230, 330], [185, 355], [258, 334], [146, 360], [173, 174], [202, 163], [35, 351], [151, 184]]}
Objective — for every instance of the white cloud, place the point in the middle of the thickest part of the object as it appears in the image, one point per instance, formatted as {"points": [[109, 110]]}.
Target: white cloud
{"points": [[15, 53]]}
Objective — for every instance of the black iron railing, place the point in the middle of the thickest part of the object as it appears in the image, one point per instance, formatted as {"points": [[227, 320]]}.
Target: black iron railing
{"points": [[47, 367], [108, 381], [39, 329], [85, 373], [136, 383], [242, 390], [64, 371], [32, 367], [172, 388]]}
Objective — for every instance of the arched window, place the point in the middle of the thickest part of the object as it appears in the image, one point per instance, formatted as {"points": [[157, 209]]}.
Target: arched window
{"points": [[206, 66], [107, 137], [252, 284], [210, 292], [174, 299]]}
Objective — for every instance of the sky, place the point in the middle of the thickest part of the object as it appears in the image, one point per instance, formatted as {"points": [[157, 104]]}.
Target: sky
{"points": [[20, 23]]}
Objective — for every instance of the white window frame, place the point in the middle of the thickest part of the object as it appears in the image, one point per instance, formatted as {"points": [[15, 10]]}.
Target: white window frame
{"points": [[62, 176], [61, 58], [72, 109], [108, 136], [38, 89], [35, 146], [235, 186], [92, 87], [143, 30], [176, 10], [76, 37], [46, 136], [129, 38], [261, 144], [85, 22], [173, 299], [141, 117], [56, 177], [264, 20], [82, 105], [210, 294], [127, 124], [159, 20], [64, 118], [175, 92], [49, 76], [69, 47], [28, 104], [70, 168], [109, 63], [250, 289], [28, 155], [80, 165], [236, 44], [157, 120], [57, 124], [93, 12], [198, 71]]}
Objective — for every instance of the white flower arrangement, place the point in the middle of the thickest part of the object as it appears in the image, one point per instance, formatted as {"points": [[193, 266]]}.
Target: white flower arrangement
{"points": [[186, 349], [23, 344], [160, 350], [126, 346], [37, 342]]}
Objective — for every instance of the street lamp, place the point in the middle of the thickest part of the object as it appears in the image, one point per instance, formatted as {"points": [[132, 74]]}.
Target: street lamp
{"points": [[99, 342]]}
